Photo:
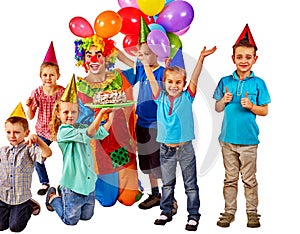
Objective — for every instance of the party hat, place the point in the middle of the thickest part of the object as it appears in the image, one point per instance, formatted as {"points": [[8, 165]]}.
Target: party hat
{"points": [[144, 31], [18, 112], [246, 35], [178, 60], [50, 56], [70, 93]]}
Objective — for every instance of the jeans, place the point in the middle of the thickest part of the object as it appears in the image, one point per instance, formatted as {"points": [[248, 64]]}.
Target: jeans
{"points": [[185, 155], [72, 207], [14, 217], [40, 167]]}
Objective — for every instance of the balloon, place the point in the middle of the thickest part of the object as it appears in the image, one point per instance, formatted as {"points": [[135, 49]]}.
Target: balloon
{"points": [[131, 20], [175, 43], [108, 24], [183, 31], [152, 7], [155, 26], [176, 16], [128, 3], [130, 43], [159, 43], [80, 27]]}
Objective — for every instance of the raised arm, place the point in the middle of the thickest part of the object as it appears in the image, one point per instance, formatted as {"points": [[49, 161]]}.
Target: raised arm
{"points": [[198, 68], [35, 139], [94, 126], [31, 110], [153, 82], [124, 59]]}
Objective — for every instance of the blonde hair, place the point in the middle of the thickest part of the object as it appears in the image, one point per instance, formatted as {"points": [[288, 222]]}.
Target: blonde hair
{"points": [[55, 121], [177, 70], [49, 64]]}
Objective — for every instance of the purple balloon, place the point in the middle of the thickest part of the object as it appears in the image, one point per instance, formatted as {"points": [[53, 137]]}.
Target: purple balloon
{"points": [[176, 16], [159, 43]]}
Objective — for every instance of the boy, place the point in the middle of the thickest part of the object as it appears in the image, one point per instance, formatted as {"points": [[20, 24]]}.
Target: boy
{"points": [[175, 133], [241, 96], [16, 168]]}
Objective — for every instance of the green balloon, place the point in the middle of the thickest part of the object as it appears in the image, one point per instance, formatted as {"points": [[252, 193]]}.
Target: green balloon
{"points": [[175, 43]]}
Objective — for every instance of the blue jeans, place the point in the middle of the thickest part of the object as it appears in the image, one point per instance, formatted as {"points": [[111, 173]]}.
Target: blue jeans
{"points": [[72, 207], [185, 155], [40, 167], [14, 217]]}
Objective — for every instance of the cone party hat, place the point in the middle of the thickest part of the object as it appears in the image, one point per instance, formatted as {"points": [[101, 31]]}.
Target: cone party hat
{"points": [[178, 60], [246, 35], [144, 31], [50, 55], [18, 112], [70, 93]]}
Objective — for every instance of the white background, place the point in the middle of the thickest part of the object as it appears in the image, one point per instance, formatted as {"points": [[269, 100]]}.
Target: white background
{"points": [[27, 27]]}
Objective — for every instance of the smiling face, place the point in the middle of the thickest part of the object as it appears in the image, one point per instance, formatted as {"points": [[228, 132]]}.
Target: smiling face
{"points": [[94, 60], [175, 81], [244, 58], [68, 113]]}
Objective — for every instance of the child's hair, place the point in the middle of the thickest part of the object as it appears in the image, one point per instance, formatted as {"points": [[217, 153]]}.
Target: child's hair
{"points": [[16, 119], [55, 121], [244, 43], [49, 64], [175, 69]]}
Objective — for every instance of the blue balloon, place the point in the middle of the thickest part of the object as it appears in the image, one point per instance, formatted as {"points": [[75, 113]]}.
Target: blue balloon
{"points": [[155, 26]]}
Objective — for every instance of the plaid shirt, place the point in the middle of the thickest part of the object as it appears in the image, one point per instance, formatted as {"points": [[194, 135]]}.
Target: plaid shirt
{"points": [[45, 106], [16, 168]]}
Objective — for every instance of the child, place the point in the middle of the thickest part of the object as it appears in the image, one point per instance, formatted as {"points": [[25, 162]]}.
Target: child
{"points": [[43, 99], [77, 185], [175, 134], [241, 96], [146, 125], [16, 168]]}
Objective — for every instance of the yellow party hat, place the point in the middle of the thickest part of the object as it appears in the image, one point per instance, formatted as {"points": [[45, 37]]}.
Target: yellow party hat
{"points": [[18, 112], [70, 93]]}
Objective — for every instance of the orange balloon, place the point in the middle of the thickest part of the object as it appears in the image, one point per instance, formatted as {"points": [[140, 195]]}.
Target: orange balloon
{"points": [[108, 24]]}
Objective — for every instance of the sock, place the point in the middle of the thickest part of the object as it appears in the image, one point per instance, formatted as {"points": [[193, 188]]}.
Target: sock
{"points": [[155, 191]]}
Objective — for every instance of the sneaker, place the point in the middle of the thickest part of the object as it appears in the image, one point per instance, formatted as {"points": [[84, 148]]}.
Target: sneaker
{"points": [[163, 219], [36, 208], [43, 190], [253, 220], [151, 201], [225, 219], [192, 225], [51, 192]]}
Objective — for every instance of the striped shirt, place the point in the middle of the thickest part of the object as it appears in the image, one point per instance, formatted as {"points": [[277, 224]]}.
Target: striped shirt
{"points": [[16, 168], [45, 105]]}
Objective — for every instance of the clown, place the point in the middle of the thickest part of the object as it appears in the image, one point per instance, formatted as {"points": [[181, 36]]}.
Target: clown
{"points": [[115, 157]]}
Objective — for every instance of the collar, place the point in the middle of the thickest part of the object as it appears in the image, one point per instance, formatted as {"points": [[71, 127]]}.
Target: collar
{"points": [[19, 146], [236, 77]]}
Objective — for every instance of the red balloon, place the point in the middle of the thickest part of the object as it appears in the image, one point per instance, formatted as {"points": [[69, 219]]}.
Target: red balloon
{"points": [[130, 43], [80, 27], [131, 20]]}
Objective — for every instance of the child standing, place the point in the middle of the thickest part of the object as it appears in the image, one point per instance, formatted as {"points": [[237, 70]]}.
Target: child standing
{"points": [[43, 99], [241, 96], [175, 134], [77, 184], [16, 168]]}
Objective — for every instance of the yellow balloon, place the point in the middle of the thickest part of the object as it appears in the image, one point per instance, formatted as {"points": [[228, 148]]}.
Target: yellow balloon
{"points": [[152, 7]]}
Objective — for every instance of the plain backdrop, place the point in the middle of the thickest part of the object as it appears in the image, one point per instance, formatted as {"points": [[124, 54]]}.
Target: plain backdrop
{"points": [[27, 28]]}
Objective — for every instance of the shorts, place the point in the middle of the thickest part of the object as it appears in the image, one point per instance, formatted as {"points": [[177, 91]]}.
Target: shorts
{"points": [[148, 151]]}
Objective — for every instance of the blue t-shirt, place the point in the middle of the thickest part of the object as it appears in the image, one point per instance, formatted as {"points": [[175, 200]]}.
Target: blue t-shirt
{"points": [[175, 118], [239, 124], [146, 107]]}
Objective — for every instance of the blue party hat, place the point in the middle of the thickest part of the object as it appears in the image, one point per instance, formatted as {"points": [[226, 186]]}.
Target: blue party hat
{"points": [[178, 60]]}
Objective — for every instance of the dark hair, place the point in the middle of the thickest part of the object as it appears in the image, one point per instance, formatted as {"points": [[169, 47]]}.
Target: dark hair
{"points": [[244, 43], [16, 119]]}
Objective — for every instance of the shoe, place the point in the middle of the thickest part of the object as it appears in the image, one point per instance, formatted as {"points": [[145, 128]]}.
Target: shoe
{"points": [[225, 219], [43, 190], [192, 225], [51, 192], [151, 201], [163, 219], [36, 208], [59, 190], [253, 220], [175, 208]]}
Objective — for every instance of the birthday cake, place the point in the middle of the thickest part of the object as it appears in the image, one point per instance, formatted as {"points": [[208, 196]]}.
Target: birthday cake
{"points": [[109, 97]]}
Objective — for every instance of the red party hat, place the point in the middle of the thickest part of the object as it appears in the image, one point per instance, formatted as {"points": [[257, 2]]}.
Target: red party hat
{"points": [[246, 35], [50, 56]]}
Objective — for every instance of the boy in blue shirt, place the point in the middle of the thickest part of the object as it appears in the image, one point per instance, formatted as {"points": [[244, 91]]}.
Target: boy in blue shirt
{"points": [[241, 96]]}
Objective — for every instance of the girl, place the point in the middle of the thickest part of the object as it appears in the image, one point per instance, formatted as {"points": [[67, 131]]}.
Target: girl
{"points": [[77, 184], [43, 99]]}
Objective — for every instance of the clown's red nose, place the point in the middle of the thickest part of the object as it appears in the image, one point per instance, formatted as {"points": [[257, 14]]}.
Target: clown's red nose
{"points": [[94, 59]]}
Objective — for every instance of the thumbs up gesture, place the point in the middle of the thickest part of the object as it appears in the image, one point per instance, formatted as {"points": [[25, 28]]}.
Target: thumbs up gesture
{"points": [[246, 103], [227, 96]]}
